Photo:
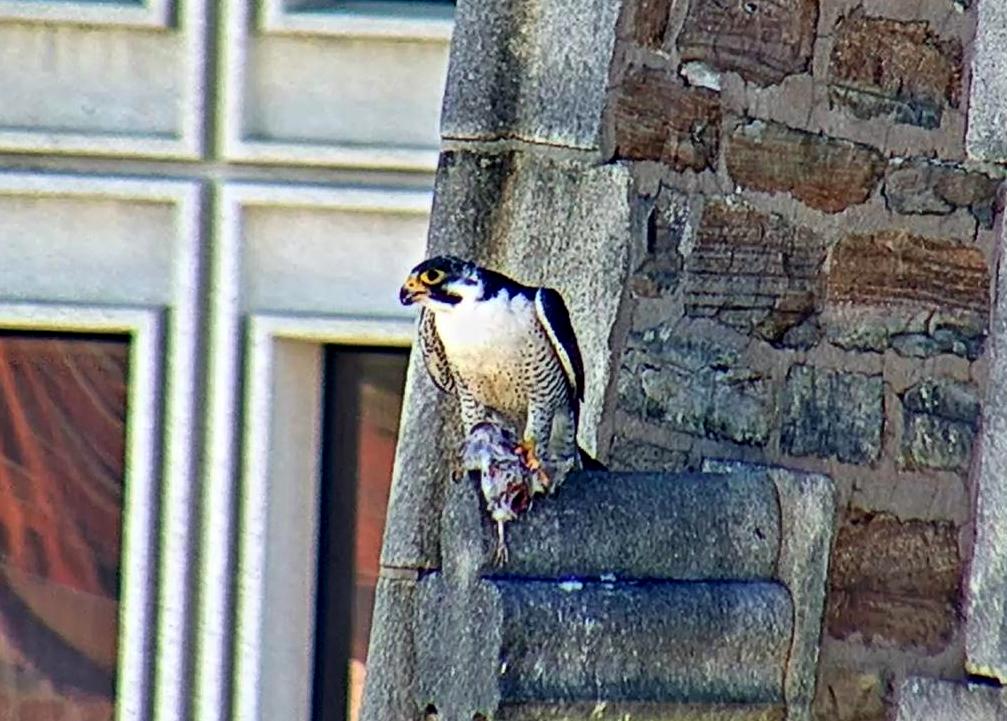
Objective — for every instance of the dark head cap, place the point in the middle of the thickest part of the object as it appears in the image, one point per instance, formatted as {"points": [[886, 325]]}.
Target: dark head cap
{"points": [[429, 278]]}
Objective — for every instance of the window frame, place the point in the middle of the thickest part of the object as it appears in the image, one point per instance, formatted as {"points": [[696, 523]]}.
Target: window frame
{"points": [[371, 22], [163, 691], [243, 24], [138, 550], [144, 14], [260, 355], [185, 22], [285, 362]]}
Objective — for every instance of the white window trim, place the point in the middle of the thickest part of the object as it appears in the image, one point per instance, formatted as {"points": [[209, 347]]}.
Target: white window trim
{"points": [[274, 662], [190, 26], [177, 388], [434, 26], [140, 497], [237, 18], [149, 14], [231, 657]]}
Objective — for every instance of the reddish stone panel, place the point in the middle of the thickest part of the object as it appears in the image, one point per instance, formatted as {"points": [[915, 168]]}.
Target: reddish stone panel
{"points": [[919, 296], [895, 268], [658, 118], [902, 69], [753, 271], [761, 40], [894, 582], [650, 22], [826, 174]]}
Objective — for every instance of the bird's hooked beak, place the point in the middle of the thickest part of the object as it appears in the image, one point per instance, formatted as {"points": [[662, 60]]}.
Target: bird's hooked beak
{"points": [[412, 290]]}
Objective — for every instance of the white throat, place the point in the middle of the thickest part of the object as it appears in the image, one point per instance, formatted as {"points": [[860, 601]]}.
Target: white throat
{"points": [[472, 326]]}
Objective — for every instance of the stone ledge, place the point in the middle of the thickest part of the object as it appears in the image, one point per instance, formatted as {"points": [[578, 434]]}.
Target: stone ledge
{"points": [[562, 223], [807, 512], [924, 699], [707, 642], [391, 678], [621, 711], [467, 615], [554, 642], [647, 525]]}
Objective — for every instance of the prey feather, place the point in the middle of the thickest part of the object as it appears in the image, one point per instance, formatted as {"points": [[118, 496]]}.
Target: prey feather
{"points": [[490, 453]]}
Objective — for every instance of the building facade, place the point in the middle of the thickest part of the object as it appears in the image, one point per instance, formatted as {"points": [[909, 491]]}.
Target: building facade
{"points": [[778, 226]]}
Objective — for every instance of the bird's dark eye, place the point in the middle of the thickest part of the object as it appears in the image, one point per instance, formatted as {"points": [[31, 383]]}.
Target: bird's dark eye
{"points": [[432, 276]]}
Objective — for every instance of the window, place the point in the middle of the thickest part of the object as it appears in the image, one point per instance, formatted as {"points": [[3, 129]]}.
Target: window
{"points": [[376, 7], [362, 403], [62, 465]]}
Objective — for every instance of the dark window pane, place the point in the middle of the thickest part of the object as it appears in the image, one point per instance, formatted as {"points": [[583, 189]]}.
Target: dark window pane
{"points": [[62, 450], [380, 7], [362, 402], [351, 3], [103, 2]]}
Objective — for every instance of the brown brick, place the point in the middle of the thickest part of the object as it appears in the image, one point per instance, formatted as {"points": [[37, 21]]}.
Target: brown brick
{"points": [[761, 41], [894, 581], [650, 22], [919, 296], [824, 173], [902, 69], [753, 271], [658, 118], [894, 268]]}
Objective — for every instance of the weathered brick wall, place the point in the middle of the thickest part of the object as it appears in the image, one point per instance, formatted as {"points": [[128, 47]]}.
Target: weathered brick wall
{"points": [[815, 290]]}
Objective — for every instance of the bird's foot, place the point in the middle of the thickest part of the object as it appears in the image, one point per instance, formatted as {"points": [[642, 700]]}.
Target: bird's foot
{"points": [[458, 470], [558, 472], [461, 468], [526, 452], [540, 478], [501, 554]]}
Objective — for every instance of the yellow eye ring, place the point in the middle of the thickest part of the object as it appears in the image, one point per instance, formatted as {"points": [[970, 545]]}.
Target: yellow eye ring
{"points": [[432, 276]]}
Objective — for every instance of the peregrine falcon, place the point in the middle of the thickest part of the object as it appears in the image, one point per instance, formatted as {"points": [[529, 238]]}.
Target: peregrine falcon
{"points": [[507, 349]]}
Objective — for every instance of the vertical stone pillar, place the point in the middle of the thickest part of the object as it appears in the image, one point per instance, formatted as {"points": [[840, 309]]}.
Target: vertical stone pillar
{"points": [[986, 600], [519, 188]]}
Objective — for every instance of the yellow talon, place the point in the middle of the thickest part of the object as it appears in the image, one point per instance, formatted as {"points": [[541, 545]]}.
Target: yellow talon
{"points": [[526, 452]]}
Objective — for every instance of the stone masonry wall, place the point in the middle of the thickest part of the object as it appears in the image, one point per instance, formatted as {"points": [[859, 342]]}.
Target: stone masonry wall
{"points": [[814, 291]]}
